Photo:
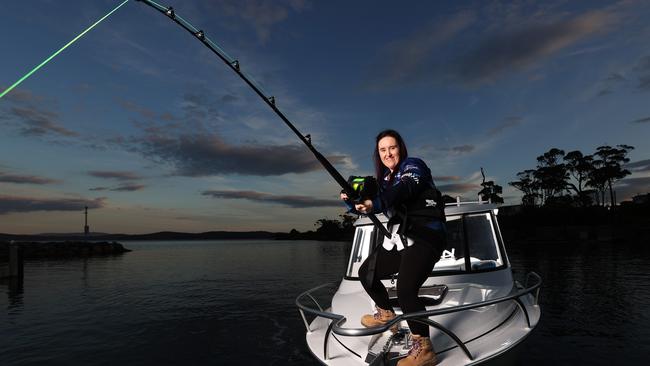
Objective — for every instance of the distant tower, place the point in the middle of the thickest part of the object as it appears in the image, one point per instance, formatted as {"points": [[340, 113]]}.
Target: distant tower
{"points": [[86, 228]]}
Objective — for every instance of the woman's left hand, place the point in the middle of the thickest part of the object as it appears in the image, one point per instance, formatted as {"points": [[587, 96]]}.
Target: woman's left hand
{"points": [[364, 207]]}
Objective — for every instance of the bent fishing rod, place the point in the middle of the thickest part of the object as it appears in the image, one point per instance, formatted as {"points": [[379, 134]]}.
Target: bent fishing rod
{"points": [[269, 100]]}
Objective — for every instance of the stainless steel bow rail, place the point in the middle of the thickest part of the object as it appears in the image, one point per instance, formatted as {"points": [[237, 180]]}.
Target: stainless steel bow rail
{"points": [[336, 325]]}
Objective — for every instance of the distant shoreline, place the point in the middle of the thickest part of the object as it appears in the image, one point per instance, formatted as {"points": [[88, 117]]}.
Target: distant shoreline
{"points": [[517, 223], [59, 249], [171, 235], [165, 235]]}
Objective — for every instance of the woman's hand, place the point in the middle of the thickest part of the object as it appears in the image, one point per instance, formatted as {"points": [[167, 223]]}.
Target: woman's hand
{"points": [[344, 196], [364, 207]]}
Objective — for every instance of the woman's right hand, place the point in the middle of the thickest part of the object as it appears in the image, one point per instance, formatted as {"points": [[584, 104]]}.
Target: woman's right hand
{"points": [[344, 196], [364, 207]]}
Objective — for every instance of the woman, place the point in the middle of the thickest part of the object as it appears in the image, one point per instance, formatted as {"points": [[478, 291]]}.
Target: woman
{"points": [[409, 198]]}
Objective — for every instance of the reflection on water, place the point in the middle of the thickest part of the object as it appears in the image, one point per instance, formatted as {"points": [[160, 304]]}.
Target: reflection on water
{"points": [[232, 302], [595, 302], [14, 293], [167, 303]]}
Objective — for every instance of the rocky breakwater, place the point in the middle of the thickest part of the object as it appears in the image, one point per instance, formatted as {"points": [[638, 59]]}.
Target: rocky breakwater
{"points": [[63, 249]]}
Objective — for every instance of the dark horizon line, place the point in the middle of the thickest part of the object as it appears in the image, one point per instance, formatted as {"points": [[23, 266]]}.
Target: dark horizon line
{"points": [[160, 235]]}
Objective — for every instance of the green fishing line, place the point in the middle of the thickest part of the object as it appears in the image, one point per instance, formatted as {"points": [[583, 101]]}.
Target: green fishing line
{"points": [[59, 51]]}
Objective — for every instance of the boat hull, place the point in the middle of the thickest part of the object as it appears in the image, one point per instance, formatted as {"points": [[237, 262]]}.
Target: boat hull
{"points": [[487, 332]]}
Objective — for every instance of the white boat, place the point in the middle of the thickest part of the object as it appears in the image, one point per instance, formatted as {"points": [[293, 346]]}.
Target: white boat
{"points": [[475, 309]]}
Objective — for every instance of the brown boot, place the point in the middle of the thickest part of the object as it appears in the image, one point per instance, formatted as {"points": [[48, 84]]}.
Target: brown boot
{"points": [[379, 318], [420, 354]]}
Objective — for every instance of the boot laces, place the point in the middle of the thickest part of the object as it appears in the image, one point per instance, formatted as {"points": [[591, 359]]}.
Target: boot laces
{"points": [[379, 314], [416, 348]]}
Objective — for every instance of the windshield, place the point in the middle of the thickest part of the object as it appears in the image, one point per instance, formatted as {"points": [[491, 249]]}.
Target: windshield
{"points": [[471, 243], [473, 233]]}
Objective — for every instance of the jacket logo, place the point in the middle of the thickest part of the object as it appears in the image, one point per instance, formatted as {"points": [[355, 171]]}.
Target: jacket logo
{"points": [[430, 203]]}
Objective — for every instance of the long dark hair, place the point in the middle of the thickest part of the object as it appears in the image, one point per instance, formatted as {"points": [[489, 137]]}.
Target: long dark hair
{"points": [[380, 168]]}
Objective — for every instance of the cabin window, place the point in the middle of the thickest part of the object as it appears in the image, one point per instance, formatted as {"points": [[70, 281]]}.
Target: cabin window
{"points": [[481, 237], [473, 232], [453, 257]]}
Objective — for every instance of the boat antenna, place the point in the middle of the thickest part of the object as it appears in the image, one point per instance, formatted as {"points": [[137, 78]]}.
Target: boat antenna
{"points": [[268, 99]]}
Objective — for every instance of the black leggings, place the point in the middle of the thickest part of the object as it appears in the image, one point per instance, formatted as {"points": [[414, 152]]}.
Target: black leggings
{"points": [[414, 265]]}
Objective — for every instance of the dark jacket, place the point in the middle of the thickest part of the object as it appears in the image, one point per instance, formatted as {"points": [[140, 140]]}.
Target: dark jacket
{"points": [[411, 199]]}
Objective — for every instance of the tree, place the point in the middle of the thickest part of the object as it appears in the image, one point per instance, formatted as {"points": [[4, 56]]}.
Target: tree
{"points": [[551, 174], [347, 221], [329, 229], [528, 185], [597, 180], [448, 199], [579, 167], [490, 191], [347, 225], [552, 179], [609, 168]]}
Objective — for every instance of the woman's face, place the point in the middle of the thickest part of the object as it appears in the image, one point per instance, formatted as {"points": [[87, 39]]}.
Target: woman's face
{"points": [[388, 152]]}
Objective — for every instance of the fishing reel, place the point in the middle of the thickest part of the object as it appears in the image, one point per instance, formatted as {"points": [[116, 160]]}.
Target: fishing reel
{"points": [[364, 187]]}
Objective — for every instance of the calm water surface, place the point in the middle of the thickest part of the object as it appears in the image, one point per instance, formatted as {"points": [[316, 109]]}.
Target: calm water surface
{"points": [[220, 302]]}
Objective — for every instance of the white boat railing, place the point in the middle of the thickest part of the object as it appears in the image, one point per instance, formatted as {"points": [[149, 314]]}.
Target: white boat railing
{"points": [[458, 202], [336, 325]]}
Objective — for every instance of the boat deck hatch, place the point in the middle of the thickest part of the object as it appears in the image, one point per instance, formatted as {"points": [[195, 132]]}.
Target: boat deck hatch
{"points": [[430, 295]]}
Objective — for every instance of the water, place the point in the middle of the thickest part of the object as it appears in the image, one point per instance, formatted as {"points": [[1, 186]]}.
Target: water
{"points": [[595, 304], [232, 302]]}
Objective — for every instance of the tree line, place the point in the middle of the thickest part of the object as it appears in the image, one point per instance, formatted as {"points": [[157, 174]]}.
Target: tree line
{"points": [[326, 229], [574, 179]]}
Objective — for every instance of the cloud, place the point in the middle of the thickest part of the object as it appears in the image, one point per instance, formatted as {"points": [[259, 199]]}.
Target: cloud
{"points": [[641, 120], [589, 50], [200, 106], [130, 187], [636, 77], [638, 166], [39, 122], [523, 47], [260, 14], [629, 187], [291, 200], [25, 179], [12, 204], [228, 98], [611, 82], [449, 178], [208, 154], [642, 70], [460, 188], [469, 185], [22, 96], [133, 107], [28, 112], [507, 123], [461, 149], [111, 174], [192, 148], [408, 59], [512, 46]]}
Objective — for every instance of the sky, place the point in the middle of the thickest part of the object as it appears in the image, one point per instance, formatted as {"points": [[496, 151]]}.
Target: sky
{"points": [[144, 125]]}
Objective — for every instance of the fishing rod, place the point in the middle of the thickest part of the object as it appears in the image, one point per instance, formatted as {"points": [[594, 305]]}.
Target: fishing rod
{"points": [[10, 88], [270, 101]]}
